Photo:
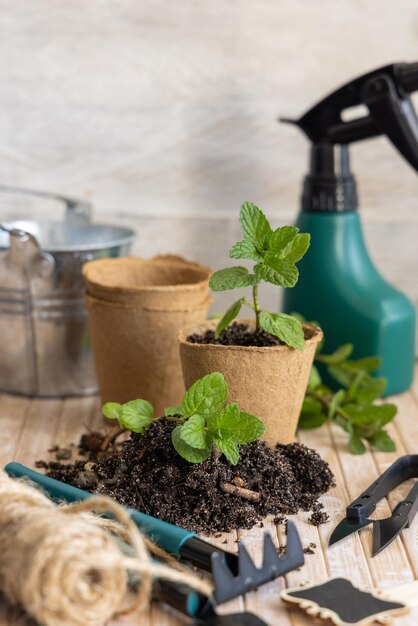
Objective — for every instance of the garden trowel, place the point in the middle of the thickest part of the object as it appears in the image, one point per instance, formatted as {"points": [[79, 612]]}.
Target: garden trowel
{"points": [[200, 607], [233, 575], [359, 511]]}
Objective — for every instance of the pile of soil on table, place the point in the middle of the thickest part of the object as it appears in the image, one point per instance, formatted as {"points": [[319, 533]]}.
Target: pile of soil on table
{"points": [[237, 334], [146, 473]]}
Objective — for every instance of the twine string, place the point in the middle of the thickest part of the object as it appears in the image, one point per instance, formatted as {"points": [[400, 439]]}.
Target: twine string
{"points": [[64, 565]]}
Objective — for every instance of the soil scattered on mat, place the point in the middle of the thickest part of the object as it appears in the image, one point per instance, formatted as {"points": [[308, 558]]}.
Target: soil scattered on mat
{"points": [[146, 473]]}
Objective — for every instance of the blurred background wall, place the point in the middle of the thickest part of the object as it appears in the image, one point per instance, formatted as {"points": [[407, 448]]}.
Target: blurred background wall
{"points": [[164, 113]]}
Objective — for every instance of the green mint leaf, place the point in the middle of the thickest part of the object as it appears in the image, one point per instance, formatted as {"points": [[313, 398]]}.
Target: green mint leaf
{"points": [[277, 272], [136, 415], [224, 420], [370, 390], [336, 401], [255, 225], [111, 410], [297, 248], [308, 421], [238, 425], [369, 414], [357, 381], [341, 354], [206, 396], [229, 448], [285, 327], [193, 432], [282, 237], [172, 410], [342, 376], [229, 316], [369, 363], [343, 423], [311, 406], [192, 455], [232, 278], [314, 378], [356, 445], [382, 441], [248, 428], [245, 250], [312, 414]]}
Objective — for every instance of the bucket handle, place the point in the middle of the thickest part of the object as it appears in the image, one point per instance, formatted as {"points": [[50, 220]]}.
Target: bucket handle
{"points": [[76, 211], [26, 253]]}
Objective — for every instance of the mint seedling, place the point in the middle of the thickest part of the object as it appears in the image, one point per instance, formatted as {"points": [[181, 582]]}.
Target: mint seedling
{"points": [[135, 415], [204, 421], [275, 253], [352, 407]]}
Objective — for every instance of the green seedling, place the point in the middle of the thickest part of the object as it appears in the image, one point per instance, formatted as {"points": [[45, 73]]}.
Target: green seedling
{"points": [[352, 406], [204, 421], [275, 254]]}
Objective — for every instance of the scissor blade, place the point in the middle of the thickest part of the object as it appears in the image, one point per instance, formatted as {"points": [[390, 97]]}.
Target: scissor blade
{"points": [[386, 530], [345, 528]]}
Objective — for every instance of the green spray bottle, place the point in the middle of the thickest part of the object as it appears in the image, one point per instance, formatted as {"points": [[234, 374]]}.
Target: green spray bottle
{"points": [[339, 286]]}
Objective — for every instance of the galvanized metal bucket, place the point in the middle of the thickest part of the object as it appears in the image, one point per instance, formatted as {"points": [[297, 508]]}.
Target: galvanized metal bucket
{"points": [[45, 345]]}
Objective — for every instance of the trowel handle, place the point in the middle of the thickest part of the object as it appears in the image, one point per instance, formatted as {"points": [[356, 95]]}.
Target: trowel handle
{"points": [[402, 469], [175, 540], [182, 598], [170, 538], [78, 211]]}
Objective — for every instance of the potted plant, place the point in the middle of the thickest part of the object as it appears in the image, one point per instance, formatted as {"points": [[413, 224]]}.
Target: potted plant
{"points": [[265, 360]]}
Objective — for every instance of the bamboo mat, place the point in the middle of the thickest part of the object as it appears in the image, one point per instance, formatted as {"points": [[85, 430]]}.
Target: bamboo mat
{"points": [[29, 427]]}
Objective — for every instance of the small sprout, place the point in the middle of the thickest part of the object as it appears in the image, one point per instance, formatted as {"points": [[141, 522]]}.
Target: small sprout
{"points": [[204, 420], [275, 254], [135, 415]]}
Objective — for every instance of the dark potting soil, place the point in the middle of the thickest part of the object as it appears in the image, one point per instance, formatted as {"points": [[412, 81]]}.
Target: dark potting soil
{"points": [[237, 334], [146, 473]]}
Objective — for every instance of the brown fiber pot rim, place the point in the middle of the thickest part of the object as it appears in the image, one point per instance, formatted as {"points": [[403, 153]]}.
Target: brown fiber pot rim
{"points": [[314, 338], [127, 306], [97, 273]]}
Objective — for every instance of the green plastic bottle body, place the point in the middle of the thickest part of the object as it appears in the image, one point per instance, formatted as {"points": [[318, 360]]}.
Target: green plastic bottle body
{"points": [[340, 288]]}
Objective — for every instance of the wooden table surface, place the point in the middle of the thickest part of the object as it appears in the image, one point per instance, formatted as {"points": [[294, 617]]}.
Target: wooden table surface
{"points": [[29, 427]]}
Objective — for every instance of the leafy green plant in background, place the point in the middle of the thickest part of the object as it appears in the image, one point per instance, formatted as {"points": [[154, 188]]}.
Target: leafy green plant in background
{"points": [[204, 421], [275, 253], [353, 405]]}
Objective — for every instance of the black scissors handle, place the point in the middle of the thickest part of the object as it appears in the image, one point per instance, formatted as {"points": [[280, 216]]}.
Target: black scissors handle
{"points": [[407, 508], [402, 469]]}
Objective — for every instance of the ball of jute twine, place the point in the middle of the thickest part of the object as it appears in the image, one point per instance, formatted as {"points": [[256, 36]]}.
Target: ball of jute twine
{"points": [[64, 566]]}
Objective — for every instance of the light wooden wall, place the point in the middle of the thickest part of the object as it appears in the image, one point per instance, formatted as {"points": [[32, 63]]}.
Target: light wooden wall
{"points": [[164, 112]]}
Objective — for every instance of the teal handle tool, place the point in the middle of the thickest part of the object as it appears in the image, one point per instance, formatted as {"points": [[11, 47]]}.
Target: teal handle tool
{"points": [[175, 540], [179, 597], [233, 575]]}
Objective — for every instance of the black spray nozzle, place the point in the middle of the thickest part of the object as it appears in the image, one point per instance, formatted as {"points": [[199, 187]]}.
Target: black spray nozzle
{"points": [[385, 93], [389, 111]]}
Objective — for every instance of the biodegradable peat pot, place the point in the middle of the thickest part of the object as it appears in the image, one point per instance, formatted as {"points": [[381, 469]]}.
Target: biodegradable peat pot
{"points": [[269, 382], [167, 282], [136, 308]]}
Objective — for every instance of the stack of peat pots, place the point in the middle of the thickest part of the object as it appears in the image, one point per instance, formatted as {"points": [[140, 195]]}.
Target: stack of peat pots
{"points": [[136, 308]]}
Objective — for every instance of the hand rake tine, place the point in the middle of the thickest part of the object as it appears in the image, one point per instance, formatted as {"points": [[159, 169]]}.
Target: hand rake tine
{"points": [[223, 578], [228, 586], [272, 562], [294, 556]]}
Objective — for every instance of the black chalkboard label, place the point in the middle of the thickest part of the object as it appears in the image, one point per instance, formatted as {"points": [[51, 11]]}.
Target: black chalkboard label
{"points": [[338, 600]]}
